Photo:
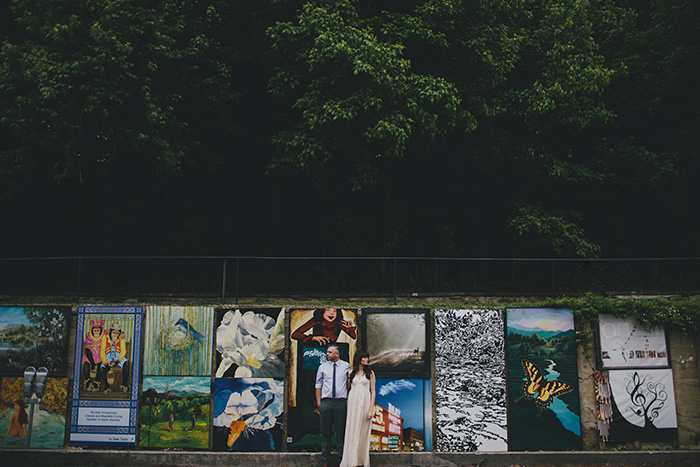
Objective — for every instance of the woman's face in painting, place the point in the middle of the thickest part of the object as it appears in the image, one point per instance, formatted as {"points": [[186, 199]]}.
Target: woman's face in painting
{"points": [[330, 314], [114, 334], [96, 332], [16, 407]]}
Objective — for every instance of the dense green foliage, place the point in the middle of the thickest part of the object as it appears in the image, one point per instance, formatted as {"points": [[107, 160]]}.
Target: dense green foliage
{"points": [[681, 312], [339, 127]]}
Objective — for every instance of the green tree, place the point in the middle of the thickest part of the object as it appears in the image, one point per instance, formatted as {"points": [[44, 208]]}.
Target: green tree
{"points": [[351, 98], [92, 86]]}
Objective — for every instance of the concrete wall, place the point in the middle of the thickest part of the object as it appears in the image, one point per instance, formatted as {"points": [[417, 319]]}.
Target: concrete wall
{"points": [[684, 353], [685, 363]]}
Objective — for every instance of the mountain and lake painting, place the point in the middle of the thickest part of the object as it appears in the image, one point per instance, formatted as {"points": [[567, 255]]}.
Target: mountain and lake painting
{"points": [[544, 410]]}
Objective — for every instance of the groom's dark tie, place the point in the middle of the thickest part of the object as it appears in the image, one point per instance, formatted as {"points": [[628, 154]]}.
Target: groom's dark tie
{"points": [[333, 393]]}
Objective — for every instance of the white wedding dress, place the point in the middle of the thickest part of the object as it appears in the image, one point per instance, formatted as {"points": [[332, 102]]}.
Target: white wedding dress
{"points": [[357, 427]]}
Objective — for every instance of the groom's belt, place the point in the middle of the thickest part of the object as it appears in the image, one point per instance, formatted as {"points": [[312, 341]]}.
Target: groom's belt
{"points": [[335, 399]]}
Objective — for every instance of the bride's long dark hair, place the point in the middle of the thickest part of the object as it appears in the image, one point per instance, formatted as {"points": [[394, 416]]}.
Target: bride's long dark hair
{"points": [[359, 355]]}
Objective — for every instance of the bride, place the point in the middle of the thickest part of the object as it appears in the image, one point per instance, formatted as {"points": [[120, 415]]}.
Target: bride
{"points": [[361, 384]]}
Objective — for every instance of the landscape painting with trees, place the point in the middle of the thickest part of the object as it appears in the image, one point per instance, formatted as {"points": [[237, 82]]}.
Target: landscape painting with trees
{"points": [[33, 336], [543, 399], [175, 412]]}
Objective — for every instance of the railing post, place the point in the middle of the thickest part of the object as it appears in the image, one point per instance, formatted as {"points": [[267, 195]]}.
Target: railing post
{"points": [[80, 271], [223, 284], [238, 267], [395, 280], [554, 287]]}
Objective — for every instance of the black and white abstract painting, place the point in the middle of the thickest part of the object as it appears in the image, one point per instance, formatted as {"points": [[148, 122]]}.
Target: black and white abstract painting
{"points": [[644, 406], [470, 379]]}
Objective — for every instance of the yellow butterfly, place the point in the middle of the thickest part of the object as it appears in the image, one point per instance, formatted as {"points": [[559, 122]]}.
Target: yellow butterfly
{"points": [[539, 389]]}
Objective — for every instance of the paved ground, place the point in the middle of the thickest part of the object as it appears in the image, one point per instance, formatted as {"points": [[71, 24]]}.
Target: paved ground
{"points": [[132, 458]]}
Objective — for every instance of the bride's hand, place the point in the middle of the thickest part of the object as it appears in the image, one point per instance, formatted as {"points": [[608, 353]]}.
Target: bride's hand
{"points": [[369, 415]]}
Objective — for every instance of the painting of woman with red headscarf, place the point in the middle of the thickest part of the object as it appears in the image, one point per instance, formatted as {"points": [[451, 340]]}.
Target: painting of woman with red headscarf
{"points": [[326, 326]]}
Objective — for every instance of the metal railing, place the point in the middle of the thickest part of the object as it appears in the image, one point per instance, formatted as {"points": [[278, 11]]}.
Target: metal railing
{"points": [[229, 278]]}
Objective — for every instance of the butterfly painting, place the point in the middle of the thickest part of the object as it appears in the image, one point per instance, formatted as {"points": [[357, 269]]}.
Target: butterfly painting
{"points": [[542, 369], [539, 389]]}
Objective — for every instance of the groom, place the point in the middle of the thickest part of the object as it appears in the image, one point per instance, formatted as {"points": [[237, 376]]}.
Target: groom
{"points": [[331, 399]]}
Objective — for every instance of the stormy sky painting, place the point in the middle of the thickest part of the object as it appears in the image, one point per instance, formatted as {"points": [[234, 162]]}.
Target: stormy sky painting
{"points": [[396, 341]]}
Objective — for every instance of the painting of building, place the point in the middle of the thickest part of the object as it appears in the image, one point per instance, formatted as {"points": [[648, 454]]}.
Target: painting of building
{"points": [[402, 406]]}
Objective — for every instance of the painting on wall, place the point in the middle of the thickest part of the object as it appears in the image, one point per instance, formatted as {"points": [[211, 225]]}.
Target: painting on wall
{"points": [[543, 396], [106, 369], [175, 412], [106, 355], [248, 414], [178, 340], [402, 415], [48, 424], [470, 395], [33, 336], [397, 341], [250, 343], [644, 405], [624, 343], [311, 332]]}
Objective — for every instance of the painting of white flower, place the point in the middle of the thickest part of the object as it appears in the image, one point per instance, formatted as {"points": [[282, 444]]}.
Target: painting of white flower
{"points": [[250, 343], [248, 414]]}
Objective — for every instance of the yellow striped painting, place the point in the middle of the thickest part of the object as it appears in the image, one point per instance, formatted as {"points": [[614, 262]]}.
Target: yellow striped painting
{"points": [[178, 341]]}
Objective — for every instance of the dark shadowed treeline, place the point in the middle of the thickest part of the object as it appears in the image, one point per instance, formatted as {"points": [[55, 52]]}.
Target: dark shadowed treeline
{"points": [[447, 128]]}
